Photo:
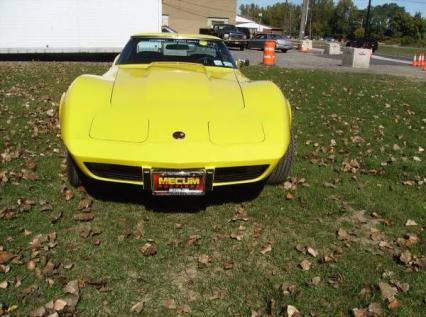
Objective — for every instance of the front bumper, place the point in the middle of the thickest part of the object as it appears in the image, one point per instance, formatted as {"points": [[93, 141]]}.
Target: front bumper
{"points": [[147, 157], [235, 42]]}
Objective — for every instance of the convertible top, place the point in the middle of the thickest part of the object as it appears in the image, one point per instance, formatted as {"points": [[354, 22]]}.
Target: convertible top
{"points": [[177, 36]]}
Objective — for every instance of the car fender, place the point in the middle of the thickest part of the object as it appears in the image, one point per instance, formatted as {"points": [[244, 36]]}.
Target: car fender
{"points": [[266, 101], [83, 99]]}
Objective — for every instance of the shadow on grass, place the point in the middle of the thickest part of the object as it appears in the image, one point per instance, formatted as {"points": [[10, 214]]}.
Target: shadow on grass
{"points": [[133, 194]]}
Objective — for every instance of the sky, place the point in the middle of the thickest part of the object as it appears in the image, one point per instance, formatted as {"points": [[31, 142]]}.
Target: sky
{"points": [[411, 6]]}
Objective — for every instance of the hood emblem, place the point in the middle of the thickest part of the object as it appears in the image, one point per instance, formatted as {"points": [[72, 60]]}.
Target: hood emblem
{"points": [[179, 135]]}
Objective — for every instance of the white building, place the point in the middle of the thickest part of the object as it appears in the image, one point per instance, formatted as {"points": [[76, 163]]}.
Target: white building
{"points": [[74, 26]]}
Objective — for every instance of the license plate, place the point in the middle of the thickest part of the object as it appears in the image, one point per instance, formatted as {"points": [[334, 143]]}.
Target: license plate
{"points": [[167, 183]]}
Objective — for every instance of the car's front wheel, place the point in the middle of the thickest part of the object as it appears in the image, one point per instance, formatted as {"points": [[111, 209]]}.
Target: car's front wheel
{"points": [[284, 50], [282, 170], [74, 174]]}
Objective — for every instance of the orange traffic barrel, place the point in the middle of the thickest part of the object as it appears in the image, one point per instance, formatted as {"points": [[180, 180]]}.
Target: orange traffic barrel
{"points": [[269, 53]]}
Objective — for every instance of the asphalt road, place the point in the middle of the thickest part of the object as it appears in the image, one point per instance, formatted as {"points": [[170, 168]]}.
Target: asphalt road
{"points": [[379, 64]]}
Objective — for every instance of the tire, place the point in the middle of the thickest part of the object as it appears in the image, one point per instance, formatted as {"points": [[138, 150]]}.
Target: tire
{"points": [[74, 174], [282, 170], [242, 48], [284, 50]]}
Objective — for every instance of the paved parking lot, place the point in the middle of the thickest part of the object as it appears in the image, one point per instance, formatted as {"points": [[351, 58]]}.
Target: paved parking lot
{"points": [[295, 59]]}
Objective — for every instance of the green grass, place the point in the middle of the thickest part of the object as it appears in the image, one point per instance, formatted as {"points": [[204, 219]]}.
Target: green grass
{"points": [[400, 50], [365, 115]]}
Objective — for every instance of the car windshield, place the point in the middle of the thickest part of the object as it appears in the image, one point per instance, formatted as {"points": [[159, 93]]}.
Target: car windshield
{"points": [[146, 50]]}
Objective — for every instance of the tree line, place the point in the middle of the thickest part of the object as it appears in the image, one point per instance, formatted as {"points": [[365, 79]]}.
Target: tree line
{"points": [[389, 22]]}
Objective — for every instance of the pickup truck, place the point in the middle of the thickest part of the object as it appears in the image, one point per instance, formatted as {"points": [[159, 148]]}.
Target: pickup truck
{"points": [[229, 34]]}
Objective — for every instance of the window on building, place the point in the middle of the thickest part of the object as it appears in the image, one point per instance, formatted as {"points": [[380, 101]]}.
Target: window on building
{"points": [[214, 20]]}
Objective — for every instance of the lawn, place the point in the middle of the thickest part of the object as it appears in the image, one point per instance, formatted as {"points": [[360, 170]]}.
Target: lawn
{"points": [[343, 236], [400, 50]]}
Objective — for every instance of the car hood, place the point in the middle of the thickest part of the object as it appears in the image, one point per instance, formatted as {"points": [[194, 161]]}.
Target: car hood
{"points": [[152, 102]]}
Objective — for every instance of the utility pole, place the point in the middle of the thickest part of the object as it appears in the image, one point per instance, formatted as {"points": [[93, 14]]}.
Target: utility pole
{"points": [[367, 21], [303, 19]]}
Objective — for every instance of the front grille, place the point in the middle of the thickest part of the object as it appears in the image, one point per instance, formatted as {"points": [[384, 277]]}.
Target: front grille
{"points": [[113, 171], [238, 173]]}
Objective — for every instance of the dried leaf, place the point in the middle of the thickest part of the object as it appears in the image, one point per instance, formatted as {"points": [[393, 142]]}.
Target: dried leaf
{"points": [[305, 265], [72, 287], [6, 257], [169, 303], [148, 249], [228, 265], [360, 312], [312, 252], [388, 292], [137, 308], [185, 309], [204, 260], [59, 304], [292, 311], [84, 216], [84, 204], [266, 249], [410, 223]]}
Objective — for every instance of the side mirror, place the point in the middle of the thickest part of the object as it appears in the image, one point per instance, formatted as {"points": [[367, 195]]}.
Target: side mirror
{"points": [[242, 62]]}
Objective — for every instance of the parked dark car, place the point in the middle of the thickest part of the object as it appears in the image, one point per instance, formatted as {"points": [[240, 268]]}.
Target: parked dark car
{"points": [[229, 34], [282, 43], [368, 42], [245, 31]]}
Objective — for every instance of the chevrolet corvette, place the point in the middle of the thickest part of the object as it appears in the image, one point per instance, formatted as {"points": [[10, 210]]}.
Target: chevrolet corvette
{"points": [[175, 115]]}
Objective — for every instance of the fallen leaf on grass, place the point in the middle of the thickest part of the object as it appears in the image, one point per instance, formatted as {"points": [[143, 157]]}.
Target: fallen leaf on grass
{"points": [[185, 308], [305, 265], [84, 216], [84, 204], [388, 292], [4, 284], [375, 309], [192, 239], [204, 260], [312, 252], [39, 312], [72, 287], [292, 311], [289, 196], [6, 257], [67, 193], [169, 303], [267, 248], [148, 249], [316, 280], [59, 305], [410, 223], [228, 265], [137, 308], [405, 257], [342, 234], [240, 214], [360, 312], [394, 304]]}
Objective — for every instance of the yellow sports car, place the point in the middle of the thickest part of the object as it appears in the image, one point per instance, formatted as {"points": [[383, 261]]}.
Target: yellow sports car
{"points": [[175, 115]]}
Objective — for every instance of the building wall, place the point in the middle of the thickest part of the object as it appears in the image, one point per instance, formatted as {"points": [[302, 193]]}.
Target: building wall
{"points": [[188, 16], [29, 26]]}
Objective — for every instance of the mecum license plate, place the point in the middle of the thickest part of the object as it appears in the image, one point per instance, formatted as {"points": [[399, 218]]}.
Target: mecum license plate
{"points": [[184, 182]]}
